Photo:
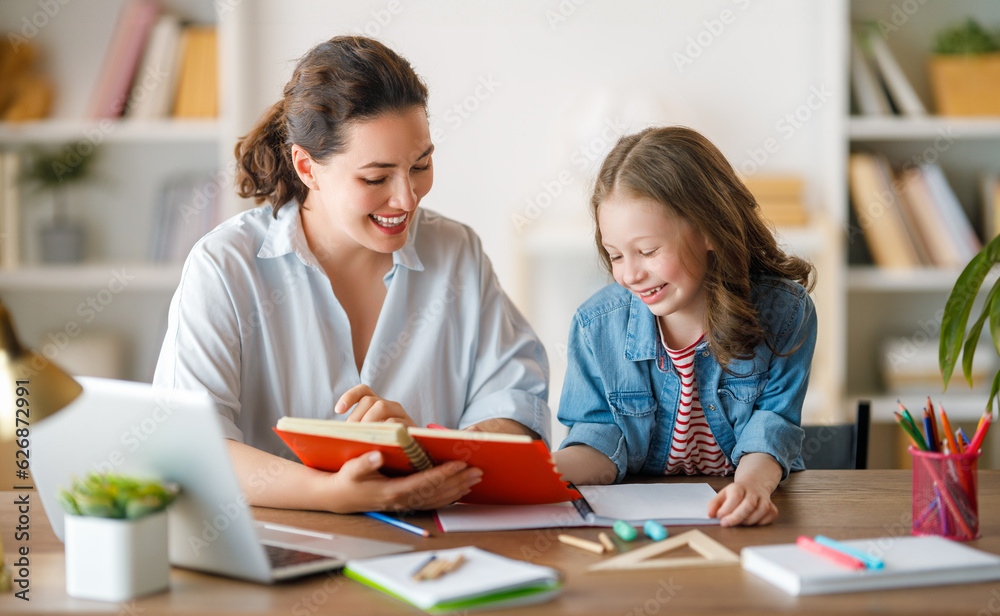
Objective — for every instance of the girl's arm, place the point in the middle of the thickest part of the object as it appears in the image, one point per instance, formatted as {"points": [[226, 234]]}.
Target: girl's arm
{"points": [[270, 481], [584, 465], [747, 500]]}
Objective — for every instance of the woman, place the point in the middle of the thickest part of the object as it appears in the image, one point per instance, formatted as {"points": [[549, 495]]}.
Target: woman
{"points": [[342, 291]]}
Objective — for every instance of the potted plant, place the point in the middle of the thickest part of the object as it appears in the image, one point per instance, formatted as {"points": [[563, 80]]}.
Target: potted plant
{"points": [[965, 71], [955, 340], [56, 172], [116, 537]]}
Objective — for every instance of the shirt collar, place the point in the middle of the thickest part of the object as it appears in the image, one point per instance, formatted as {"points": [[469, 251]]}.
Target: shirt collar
{"points": [[285, 235]]}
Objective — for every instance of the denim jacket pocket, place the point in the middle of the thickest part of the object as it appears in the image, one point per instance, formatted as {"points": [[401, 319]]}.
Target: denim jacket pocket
{"points": [[632, 403], [738, 394], [635, 413]]}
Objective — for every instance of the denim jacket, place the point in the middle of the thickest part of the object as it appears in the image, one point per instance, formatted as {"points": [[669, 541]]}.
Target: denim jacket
{"points": [[621, 392]]}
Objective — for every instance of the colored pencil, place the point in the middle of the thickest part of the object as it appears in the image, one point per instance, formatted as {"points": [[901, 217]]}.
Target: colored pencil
{"points": [[915, 438], [870, 561], [934, 424], [977, 438], [838, 558], [946, 428], [929, 432], [908, 417], [416, 530]]}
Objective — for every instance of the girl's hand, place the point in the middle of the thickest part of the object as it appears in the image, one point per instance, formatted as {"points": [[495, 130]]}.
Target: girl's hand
{"points": [[743, 503], [747, 500], [358, 486], [371, 407]]}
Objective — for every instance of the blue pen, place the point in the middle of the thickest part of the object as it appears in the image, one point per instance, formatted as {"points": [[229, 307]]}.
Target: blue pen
{"points": [[870, 561], [416, 530]]}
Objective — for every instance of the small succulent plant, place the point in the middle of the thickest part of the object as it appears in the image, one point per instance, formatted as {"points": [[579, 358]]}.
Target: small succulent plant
{"points": [[113, 496], [968, 38]]}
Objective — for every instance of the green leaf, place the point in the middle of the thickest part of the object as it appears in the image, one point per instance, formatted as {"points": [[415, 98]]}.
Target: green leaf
{"points": [[959, 305], [974, 332], [67, 502], [994, 310], [993, 391], [98, 506]]}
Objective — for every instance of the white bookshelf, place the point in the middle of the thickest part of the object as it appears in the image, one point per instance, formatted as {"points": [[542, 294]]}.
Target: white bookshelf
{"points": [[907, 304], [118, 207]]}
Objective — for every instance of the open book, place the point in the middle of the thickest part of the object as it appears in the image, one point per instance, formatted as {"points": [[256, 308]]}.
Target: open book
{"points": [[670, 504], [517, 470]]}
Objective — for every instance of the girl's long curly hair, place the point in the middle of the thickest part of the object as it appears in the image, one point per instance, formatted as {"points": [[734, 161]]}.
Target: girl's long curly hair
{"points": [[685, 173]]}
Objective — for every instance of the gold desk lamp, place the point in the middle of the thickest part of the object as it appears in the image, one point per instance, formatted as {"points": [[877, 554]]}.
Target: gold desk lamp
{"points": [[50, 389]]}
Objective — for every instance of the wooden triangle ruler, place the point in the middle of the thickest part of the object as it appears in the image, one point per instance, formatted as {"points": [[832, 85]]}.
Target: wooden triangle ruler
{"points": [[713, 554]]}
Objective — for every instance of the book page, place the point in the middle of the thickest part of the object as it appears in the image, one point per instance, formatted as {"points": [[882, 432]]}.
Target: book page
{"points": [[650, 501]]}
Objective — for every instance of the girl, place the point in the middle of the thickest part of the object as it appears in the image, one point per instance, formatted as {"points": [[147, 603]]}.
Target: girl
{"points": [[697, 360], [340, 291]]}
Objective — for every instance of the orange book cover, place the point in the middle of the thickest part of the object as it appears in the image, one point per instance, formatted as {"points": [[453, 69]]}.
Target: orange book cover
{"points": [[516, 471]]}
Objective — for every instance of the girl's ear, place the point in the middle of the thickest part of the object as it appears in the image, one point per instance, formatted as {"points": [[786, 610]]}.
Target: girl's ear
{"points": [[304, 167]]}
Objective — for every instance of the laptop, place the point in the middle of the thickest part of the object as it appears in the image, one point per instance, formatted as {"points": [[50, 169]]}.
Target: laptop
{"points": [[130, 428]]}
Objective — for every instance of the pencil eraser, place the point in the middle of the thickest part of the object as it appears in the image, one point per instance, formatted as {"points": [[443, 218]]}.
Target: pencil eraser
{"points": [[624, 530], [654, 531]]}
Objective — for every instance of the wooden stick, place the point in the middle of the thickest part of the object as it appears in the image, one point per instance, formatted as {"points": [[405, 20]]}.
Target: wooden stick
{"points": [[609, 545], [583, 544]]}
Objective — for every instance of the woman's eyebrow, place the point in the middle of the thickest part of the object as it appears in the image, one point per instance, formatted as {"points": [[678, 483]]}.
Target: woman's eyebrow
{"points": [[378, 165]]}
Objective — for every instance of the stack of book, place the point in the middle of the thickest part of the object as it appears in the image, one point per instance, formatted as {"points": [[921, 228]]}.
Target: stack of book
{"points": [[780, 198], [912, 219], [879, 85], [156, 66]]}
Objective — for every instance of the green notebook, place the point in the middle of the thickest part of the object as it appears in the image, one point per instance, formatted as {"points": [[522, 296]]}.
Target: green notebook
{"points": [[484, 581]]}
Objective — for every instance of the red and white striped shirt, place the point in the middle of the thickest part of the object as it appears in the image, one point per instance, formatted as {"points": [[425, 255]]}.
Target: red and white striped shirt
{"points": [[693, 448]]}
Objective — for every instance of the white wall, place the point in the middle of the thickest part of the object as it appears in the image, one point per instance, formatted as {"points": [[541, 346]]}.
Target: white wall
{"points": [[565, 79]]}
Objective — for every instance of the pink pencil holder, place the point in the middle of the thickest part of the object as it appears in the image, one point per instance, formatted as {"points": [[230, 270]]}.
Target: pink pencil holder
{"points": [[945, 494]]}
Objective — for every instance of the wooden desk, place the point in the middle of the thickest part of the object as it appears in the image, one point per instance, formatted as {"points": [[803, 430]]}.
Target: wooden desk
{"points": [[842, 504]]}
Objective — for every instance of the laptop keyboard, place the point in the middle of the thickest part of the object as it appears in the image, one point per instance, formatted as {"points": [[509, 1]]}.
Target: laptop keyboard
{"points": [[284, 557]]}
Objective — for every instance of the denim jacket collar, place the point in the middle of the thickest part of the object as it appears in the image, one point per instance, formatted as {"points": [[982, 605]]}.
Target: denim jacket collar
{"points": [[640, 341]]}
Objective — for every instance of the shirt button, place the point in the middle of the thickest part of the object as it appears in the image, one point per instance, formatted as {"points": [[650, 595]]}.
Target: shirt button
{"points": [[704, 353], [711, 407]]}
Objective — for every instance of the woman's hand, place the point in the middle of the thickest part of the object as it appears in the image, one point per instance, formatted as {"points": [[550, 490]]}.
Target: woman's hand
{"points": [[371, 407], [359, 486], [747, 500]]}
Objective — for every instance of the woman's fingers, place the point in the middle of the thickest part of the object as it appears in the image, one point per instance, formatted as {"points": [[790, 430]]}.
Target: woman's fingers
{"points": [[351, 397]]}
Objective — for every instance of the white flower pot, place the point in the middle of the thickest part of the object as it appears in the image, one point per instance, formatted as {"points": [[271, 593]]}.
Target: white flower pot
{"points": [[115, 560]]}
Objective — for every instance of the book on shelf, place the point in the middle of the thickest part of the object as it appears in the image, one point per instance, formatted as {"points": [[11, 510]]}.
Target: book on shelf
{"points": [[877, 207], [956, 220], [907, 562], [10, 210], [869, 92], [910, 220], [481, 580], [155, 81], [125, 49], [517, 470], [929, 219], [187, 209], [900, 90], [197, 87]]}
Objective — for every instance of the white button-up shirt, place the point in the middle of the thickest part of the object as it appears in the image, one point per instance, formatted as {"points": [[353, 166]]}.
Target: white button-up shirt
{"points": [[255, 322]]}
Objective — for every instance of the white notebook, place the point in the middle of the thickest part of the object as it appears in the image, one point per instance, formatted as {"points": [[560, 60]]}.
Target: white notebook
{"points": [[670, 504], [909, 561], [484, 581]]}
